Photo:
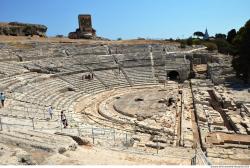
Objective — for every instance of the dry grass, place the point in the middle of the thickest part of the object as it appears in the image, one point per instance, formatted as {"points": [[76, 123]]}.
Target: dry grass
{"points": [[20, 45]]}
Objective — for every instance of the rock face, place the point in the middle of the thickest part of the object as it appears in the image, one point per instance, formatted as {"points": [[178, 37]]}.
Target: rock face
{"points": [[220, 69], [25, 159], [22, 29], [85, 30]]}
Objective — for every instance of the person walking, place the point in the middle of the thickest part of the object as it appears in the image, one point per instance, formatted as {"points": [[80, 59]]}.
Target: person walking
{"points": [[64, 120], [50, 111], [2, 98]]}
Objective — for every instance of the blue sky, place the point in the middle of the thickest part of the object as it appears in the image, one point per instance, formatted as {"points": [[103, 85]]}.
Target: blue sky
{"points": [[131, 18]]}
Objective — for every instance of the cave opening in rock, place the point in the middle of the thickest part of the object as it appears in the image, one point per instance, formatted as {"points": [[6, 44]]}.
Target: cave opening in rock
{"points": [[173, 75]]}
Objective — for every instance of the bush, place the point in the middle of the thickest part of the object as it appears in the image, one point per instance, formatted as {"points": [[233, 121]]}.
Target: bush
{"points": [[183, 44], [224, 46], [29, 30], [197, 42], [59, 36], [119, 38], [140, 38], [189, 41], [211, 46]]}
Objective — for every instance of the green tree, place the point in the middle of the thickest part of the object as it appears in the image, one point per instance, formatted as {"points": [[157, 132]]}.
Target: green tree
{"points": [[224, 46], [231, 35], [198, 34], [241, 62], [220, 36]]}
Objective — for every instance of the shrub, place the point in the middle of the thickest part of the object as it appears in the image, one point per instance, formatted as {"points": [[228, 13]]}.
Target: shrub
{"points": [[29, 30], [170, 39], [189, 41], [140, 38], [183, 44], [211, 46], [224, 46], [197, 42], [59, 36]]}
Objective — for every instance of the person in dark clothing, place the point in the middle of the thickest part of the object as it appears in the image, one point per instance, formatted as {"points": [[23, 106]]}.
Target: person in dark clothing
{"points": [[64, 120], [2, 98]]}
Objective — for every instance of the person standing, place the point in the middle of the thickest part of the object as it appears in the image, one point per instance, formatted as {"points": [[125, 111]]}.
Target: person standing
{"points": [[2, 98], [64, 120], [50, 111]]}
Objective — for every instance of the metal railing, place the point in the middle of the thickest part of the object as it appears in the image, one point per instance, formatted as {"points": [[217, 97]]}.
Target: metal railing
{"points": [[108, 138]]}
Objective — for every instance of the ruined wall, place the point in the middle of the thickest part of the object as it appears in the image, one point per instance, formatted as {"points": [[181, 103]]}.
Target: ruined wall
{"points": [[85, 30], [85, 23]]}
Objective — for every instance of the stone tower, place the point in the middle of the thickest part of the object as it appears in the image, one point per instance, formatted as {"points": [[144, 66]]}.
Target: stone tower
{"points": [[85, 24], [85, 30]]}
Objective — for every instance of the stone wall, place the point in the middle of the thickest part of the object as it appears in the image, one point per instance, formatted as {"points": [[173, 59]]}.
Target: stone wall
{"points": [[221, 70], [85, 30]]}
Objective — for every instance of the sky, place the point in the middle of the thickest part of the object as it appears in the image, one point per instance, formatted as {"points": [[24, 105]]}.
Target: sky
{"points": [[130, 19]]}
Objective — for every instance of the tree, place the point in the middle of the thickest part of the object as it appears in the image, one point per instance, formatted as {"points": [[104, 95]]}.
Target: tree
{"points": [[224, 46], [231, 35], [198, 34], [242, 61], [220, 36]]}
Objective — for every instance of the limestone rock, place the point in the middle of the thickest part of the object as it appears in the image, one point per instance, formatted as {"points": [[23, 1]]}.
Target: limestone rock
{"points": [[155, 145], [25, 159], [160, 139], [136, 138], [140, 118], [129, 143], [61, 150], [85, 141], [22, 29]]}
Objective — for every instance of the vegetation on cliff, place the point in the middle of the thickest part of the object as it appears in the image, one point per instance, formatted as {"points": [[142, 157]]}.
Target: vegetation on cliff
{"points": [[22, 29]]}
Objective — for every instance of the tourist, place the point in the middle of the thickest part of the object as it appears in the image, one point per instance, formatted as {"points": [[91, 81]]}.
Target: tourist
{"points": [[87, 77], [64, 120], [50, 111], [109, 50], [2, 98]]}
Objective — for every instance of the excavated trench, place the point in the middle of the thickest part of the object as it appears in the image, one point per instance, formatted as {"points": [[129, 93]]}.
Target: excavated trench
{"points": [[218, 107]]}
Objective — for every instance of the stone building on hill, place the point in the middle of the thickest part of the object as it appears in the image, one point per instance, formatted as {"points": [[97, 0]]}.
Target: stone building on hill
{"points": [[85, 30], [206, 35]]}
